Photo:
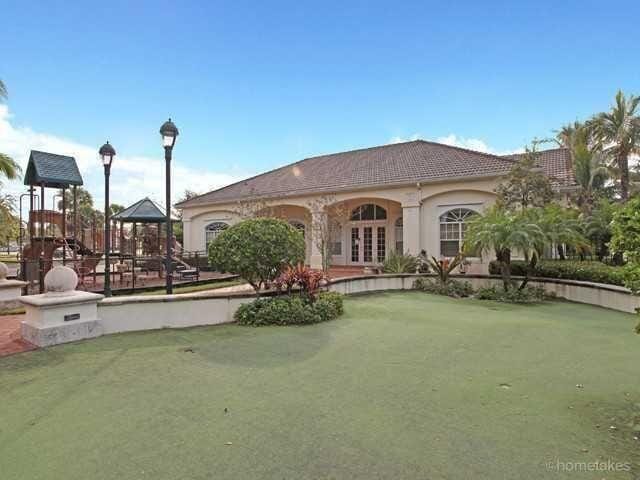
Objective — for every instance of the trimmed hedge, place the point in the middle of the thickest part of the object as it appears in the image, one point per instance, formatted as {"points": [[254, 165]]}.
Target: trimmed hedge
{"points": [[452, 288], [587, 271], [290, 310], [512, 295]]}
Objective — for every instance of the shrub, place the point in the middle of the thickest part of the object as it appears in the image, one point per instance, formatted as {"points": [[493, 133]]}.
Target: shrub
{"points": [[625, 229], [301, 276], [257, 249], [290, 310], [443, 268], [512, 295], [631, 275], [452, 288], [587, 271], [400, 263]]}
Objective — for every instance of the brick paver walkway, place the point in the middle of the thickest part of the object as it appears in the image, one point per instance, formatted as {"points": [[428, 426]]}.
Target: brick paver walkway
{"points": [[10, 341]]}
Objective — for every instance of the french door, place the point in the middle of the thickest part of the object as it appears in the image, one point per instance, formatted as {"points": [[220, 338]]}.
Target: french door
{"points": [[368, 244]]}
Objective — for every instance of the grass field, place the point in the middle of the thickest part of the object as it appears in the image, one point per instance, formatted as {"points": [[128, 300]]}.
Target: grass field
{"points": [[403, 386]]}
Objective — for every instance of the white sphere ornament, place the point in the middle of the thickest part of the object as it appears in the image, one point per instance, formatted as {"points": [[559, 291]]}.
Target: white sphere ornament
{"points": [[60, 281], [4, 271]]}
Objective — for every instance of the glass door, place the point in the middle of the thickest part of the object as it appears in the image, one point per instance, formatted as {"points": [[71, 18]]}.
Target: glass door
{"points": [[368, 244]]}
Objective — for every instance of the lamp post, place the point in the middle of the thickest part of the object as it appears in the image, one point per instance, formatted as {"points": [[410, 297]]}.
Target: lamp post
{"points": [[107, 152], [169, 134]]}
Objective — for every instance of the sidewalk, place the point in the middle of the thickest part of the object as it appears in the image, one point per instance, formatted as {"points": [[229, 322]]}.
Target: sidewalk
{"points": [[10, 341]]}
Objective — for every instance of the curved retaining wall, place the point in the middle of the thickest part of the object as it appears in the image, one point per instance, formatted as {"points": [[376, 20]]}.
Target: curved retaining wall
{"points": [[122, 314], [598, 294]]}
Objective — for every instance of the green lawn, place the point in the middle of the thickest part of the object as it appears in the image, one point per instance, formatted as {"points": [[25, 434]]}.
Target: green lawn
{"points": [[404, 386]]}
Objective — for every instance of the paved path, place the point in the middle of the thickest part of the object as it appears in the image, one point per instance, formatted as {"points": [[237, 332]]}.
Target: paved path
{"points": [[10, 341]]}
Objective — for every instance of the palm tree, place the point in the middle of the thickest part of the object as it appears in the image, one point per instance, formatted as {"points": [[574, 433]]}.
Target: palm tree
{"points": [[504, 231], [561, 227], [566, 136], [618, 133], [597, 226], [8, 167], [590, 171]]}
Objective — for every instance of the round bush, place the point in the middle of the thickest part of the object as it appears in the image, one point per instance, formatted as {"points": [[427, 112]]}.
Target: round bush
{"points": [[290, 310], [257, 249]]}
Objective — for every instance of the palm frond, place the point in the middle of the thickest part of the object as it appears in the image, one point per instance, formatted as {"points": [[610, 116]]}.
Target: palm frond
{"points": [[8, 167]]}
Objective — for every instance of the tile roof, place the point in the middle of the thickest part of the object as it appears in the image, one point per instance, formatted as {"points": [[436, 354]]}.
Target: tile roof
{"points": [[556, 163], [52, 170], [143, 211], [394, 164]]}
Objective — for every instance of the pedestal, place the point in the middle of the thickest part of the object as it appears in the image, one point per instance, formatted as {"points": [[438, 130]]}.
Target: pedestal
{"points": [[53, 319], [10, 292]]}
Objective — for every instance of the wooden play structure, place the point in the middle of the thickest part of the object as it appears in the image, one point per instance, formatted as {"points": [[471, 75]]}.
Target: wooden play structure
{"points": [[59, 235], [54, 235]]}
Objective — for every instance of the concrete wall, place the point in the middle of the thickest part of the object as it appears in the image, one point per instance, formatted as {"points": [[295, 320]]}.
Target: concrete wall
{"points": [[597, 294], [126, 314]]}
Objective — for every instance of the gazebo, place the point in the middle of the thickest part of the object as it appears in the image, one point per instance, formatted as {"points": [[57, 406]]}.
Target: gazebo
{"points": [[147, 213]]}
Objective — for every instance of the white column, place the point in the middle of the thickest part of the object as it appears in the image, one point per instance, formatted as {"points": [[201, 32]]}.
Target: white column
{"points": [[187, 242], [411, 228], [317, 219]]}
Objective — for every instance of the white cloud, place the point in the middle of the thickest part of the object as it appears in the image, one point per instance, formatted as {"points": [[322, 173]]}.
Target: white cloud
{"points": [[415, 136], [134, 177], [456, 141]]}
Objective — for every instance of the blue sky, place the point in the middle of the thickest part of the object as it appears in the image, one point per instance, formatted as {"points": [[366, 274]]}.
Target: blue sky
{"points": [[255, 85]]}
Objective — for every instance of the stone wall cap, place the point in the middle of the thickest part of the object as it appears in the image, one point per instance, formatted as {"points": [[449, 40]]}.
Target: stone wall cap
{"points": [[11, 284], [77, 297]]}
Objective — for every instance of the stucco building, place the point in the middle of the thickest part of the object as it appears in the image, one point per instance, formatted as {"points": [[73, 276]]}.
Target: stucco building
{"points": [[407, 197]]}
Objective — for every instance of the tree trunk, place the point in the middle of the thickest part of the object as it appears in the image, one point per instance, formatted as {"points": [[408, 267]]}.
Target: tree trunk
{"points": [[531, 264], [623, 165], [505, 268]]}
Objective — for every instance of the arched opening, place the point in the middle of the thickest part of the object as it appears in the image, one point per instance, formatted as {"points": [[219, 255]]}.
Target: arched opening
{"points": [[452, 229], [212, 230], [368, 212]]}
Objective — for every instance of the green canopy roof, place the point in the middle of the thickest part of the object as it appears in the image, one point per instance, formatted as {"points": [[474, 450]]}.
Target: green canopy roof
{"points": [[143, 211], [52, 170]]}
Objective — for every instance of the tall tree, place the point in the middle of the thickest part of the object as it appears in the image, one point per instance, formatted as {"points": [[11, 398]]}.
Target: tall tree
{"points": [[87, 214], [566, 136], [8, 167], [10, 230], [590, 171], [526, 185], [618, 133]]}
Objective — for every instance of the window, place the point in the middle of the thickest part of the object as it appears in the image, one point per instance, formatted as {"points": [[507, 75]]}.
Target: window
{"points": [[298, 226], [452, 228], [355, 244], [398, 228], [367, 232], [212, 230], [381, 251], [368, 211]]}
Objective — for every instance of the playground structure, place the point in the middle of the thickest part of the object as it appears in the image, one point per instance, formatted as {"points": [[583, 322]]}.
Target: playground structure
{"points": [[51, 231], [59, 235]]}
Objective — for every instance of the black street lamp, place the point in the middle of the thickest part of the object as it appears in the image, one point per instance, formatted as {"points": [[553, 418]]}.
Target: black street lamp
{"points": [[169, 134], [107, 152]]}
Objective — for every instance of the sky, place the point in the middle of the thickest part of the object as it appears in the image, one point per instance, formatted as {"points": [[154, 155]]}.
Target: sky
{"points": [[256, 85]]}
